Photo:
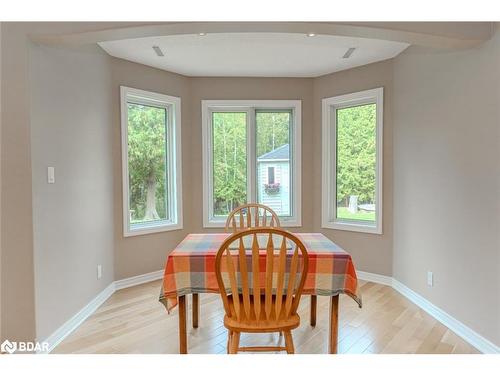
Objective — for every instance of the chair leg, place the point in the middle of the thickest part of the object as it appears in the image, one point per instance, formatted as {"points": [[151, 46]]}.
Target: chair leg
{"points": [[229, 342], [289, 343], [235, 342]]}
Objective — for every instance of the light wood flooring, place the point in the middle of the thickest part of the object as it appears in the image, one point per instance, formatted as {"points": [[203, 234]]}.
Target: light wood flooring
{"points": [[133, 321]]}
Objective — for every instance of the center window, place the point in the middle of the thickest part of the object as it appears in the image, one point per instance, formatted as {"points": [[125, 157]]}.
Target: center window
{"points": [[250, 153]]}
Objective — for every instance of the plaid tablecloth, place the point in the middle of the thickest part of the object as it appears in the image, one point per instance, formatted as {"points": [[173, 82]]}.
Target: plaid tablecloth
{"points": [[190, 268]]}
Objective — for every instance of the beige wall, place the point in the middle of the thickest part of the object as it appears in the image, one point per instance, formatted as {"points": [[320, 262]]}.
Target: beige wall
{"points": [[18, 303], [17, 274], [146, 253], [458, 30], [371, 252], [71, 130], [250, 88], [446, 180]]}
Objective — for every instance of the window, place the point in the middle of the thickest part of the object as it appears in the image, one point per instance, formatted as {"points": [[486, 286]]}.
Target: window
{"points": [[250, 154], [229, 132], [270, 175], [151, 162], [352, 161]]}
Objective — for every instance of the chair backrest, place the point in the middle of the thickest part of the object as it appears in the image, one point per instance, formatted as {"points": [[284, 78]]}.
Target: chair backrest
{"points": [[251, 215], [252, 265]]}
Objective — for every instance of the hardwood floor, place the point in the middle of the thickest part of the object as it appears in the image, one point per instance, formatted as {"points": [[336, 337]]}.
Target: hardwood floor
{"points": [[133, 321]]}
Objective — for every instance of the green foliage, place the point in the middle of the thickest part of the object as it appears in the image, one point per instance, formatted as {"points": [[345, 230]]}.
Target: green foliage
{"points": [[146, 158], [356, 151], [229, 161], [273, 130], [343, 213], [230, 156]]}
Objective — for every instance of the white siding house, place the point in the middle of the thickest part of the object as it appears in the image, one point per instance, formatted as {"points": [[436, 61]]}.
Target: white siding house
{"points": [[274, 180]]}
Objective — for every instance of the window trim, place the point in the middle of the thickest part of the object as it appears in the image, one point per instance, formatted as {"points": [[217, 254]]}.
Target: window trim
{"points": [[329, 162], [249, 106], [174, 168]]}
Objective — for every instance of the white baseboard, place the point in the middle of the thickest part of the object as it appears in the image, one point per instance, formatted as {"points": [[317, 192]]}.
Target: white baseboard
{"points": [[468, 334], [69, 326], [73, 323], [472, 337], [374, 278], [137, 280]]}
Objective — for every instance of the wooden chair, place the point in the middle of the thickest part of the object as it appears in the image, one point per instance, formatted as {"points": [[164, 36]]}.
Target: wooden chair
{"points": [[268, 302], [251, 215], [255, 215]]}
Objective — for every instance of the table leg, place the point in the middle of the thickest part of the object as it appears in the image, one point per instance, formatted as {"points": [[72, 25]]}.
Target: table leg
{"points": [[182, 325], [334, 324], [196, 306], [314, 302]]}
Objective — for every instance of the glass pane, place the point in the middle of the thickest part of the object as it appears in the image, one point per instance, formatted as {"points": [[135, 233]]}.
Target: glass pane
{"points": [[147, 148], [356, 163], [273, 151], [229, 161]]}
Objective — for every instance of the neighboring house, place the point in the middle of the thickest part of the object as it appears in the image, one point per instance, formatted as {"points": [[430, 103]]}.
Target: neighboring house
{"points": [[274, 179]]}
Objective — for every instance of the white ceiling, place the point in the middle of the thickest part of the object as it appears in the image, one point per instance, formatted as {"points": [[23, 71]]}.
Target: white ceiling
{"points": [[253, 54]]}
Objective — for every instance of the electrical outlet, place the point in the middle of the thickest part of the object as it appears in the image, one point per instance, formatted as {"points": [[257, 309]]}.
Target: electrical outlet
{"points": [[430, 278], [99, 271]]}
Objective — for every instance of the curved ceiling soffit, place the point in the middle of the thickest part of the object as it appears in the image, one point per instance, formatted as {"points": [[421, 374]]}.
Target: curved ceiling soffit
{"points": [[144, 31]]}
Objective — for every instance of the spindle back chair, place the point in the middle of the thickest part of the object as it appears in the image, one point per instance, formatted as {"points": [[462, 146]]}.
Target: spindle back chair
{"points": [[261, 274], [251, 215]]}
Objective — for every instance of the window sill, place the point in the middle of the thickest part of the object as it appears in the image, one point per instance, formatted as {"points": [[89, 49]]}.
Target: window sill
{"points": [[222, 224], [149, 229], [214, 224], [353, 227]]}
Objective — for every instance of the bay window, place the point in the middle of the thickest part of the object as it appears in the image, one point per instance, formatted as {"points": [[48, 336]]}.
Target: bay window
{"points": [[352, 161], [151, 162], [251, 153]]}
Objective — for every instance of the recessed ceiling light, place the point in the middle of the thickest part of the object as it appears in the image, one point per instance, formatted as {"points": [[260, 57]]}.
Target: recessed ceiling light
{"points": [[158, 51], [348, 53], [202, 34], [311, 34]]}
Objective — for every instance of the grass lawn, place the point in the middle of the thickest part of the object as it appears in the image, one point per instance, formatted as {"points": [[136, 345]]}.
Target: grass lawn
{"points": [[343, 213]]}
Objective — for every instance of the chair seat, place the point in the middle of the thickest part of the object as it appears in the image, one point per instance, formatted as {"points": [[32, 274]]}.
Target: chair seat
{"points": [[251, 324]]}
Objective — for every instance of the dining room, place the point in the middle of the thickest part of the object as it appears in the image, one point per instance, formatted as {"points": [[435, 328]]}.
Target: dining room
{"points": [[228, 187]]}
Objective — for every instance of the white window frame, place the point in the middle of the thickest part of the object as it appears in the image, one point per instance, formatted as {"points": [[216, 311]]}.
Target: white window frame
{"points": [[174, 168], [249, 106], [329, 161]]}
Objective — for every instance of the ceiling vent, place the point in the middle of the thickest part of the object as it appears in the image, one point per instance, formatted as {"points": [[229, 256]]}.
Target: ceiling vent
{"points": [[158, 51], [348, 53]]}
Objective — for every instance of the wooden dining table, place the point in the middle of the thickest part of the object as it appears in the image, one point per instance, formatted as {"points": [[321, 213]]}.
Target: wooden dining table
{"points": [[190, 269]]}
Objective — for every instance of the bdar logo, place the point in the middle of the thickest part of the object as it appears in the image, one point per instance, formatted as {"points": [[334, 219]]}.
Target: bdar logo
{"points": [[9, 347], [24, 346]]}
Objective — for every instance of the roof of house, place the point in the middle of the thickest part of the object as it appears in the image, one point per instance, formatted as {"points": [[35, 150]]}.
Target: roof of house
{"points": [[280, 153]]}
